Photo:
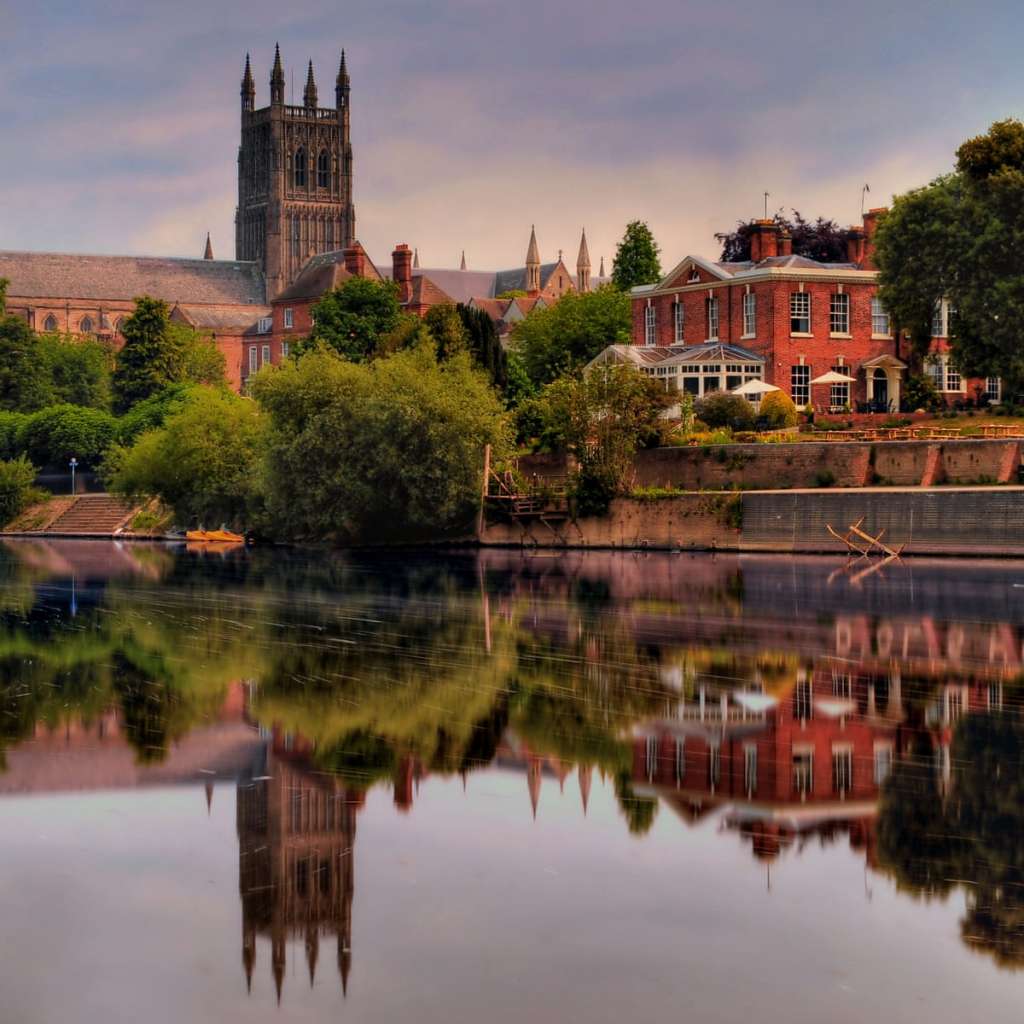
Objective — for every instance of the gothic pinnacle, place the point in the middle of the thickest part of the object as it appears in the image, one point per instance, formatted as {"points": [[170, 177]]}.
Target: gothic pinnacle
{"points": [[248, 85], [208, 252], [532, 252], [277, 73], [342, 71], [583, 259], [462, 265], [309, 94]]}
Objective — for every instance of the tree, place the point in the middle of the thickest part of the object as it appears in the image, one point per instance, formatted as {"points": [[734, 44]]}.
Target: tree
{"points": [[563, 338], [391, 450], [79, 369], [484, 344], [960, 239], [24, 379], [58, 433], [152, 354], [447, 329], [822, 240], [202, 361], [16, 480], [203, 462], [354, 317], [602, 419], [636, 258], [914, 244]]}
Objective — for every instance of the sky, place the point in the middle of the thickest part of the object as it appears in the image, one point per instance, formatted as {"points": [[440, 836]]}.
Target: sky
{"points": [[472, 120]]}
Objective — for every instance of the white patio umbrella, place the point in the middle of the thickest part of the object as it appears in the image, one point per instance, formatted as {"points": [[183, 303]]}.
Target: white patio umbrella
{"points": [[754, 387], [832, 377], [835, 707], [752, 701]]}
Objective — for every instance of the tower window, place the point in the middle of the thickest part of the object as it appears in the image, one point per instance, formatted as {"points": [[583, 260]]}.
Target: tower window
{"points": [[323, 169], [50, 323], [300, 168]]}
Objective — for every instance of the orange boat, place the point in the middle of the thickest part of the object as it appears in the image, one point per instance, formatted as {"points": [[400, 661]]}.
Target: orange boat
{"points": [[221, 536]]}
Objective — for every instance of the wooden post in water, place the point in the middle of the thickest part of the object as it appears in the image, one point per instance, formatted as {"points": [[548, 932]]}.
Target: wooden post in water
{"points": [[483, 493]]}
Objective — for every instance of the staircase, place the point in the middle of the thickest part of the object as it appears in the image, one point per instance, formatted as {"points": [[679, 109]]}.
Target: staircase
{"points": [[93, 515]]}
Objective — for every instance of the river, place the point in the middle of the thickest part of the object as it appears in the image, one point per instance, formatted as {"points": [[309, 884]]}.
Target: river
{"points": [[501, 786]]}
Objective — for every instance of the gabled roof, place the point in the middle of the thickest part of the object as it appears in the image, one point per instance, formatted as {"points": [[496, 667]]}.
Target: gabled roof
{"points": [[219, 318], [458, 285], [324, 271], [515, 279], [45, 275]]}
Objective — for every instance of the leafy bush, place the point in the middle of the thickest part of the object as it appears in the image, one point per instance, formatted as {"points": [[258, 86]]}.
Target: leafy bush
{"points": [[52, 436], [16, 487], [593, 489], [919, 393], [778, 411], [720, 409], [153, 411], [11, 424]]}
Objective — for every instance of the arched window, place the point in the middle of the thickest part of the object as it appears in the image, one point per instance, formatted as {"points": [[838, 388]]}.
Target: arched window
{"points": [[85, 325], [300, 168], [50, 323], [323, 169], [118, 324]]}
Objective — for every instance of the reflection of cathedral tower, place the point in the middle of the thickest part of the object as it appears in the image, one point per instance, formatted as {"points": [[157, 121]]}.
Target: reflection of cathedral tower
{"points": [[296, 833]]}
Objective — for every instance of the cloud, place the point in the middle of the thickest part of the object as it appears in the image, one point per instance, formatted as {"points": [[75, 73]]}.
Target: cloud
{"points": [[472, 120]]}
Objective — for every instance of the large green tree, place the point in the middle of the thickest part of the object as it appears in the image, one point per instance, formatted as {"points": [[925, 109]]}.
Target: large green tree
{"points": [[204, 462], [566, 336], [355, 318], [485, 345], [79, 368], [25, 383], [390, 450], [962, 238], [151, 357], [636, 258]]}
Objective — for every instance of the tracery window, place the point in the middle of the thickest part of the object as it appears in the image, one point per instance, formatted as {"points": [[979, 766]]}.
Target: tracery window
{"points": [[299, 175], [85, 325], [323, 169], [50, 323]]}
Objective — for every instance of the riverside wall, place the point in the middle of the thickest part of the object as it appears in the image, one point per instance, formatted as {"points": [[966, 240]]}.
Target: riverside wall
{"points": [[987, 521], [813, 464]]}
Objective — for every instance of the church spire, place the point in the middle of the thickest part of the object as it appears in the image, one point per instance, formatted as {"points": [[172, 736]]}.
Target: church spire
{"points": [[341, 86], [277, 79], [533, 263], [208, 252], [309, 94], [583, 265], [600, 272], [462, 265], [415, 259], [248, 88]]}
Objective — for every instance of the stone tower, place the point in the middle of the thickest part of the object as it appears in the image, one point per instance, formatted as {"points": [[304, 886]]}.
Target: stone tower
{"points": [[294, 177]]}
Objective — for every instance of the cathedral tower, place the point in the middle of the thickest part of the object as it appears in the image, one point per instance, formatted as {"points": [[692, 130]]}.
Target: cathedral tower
{"points": [[294, 177]]}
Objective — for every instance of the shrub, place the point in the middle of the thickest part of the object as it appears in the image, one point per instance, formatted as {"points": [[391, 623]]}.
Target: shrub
{"points": [[919, 393], [11, 424], [52, 436], [778, 411], [16, 490], [824, 478], [720, 409]]}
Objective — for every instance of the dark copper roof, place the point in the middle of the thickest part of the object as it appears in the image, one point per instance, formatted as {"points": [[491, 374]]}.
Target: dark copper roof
{"points": [[48, 275]]}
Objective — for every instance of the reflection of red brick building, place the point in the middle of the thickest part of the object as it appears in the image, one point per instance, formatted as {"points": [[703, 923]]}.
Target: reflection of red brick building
{"points": [[830, 740], [296, 832]]}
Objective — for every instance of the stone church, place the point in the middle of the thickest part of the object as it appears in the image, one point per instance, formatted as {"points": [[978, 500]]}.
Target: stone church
{"points": [[294, 239]]}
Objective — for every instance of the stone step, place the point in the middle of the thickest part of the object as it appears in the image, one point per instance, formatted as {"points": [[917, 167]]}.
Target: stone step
{"points": [[93, 514]]}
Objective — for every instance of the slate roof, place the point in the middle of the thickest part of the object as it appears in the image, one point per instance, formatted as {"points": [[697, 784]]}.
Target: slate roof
{"points": [[323, 272], [48, 275], [221, 318], [459, 285], [515, 279]]}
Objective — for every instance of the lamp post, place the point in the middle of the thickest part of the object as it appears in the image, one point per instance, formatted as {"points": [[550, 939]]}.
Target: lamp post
{"points": [[73, 464]]}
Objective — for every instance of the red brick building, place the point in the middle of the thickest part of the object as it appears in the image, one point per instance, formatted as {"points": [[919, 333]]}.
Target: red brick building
{"points": [[787, 320]]}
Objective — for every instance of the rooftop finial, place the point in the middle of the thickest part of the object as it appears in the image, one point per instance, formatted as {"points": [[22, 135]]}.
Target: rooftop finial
{"points": [[248, 87], [309, 94], [277, 78]]}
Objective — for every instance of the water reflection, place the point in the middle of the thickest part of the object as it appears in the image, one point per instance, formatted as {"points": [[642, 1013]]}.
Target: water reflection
{"points": [[769, 698]]}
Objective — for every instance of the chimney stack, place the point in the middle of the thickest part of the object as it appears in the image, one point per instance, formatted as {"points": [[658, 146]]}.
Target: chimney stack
{"points": [[785, 243], [871, 219], [764, 240], [355, 260], [855, 245], [401, 271]]}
